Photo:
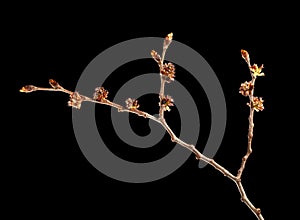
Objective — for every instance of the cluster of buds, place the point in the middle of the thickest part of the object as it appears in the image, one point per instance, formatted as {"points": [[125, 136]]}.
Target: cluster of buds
{"points": [[132, 104], [100, 94], [246, 88], [257, 104], [166, 102], [75, 100]]}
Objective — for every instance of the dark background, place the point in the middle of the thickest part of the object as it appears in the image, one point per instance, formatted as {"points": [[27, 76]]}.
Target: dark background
{"points": [[50, 175]]}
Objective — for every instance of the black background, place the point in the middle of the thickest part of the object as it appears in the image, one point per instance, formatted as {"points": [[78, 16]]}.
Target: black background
{"points": [[50, 175]]}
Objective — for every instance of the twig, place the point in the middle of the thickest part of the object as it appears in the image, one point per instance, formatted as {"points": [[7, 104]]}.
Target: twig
{"points": [[250, 132]]}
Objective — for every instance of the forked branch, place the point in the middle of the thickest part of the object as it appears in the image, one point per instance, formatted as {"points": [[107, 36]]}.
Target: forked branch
{"points": [[167, 74]]}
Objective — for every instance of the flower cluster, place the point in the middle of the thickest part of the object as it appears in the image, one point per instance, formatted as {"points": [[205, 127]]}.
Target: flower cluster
{"points": [[166, 102], [100, 94], [75, 100], [132, 104], [168, 70], [257, 104], [246, 88], [257, 71]]}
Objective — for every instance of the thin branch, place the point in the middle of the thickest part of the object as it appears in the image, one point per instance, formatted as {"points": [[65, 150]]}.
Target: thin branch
{"points": [[250, 131]]}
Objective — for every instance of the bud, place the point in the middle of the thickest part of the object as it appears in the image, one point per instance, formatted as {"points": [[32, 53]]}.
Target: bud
{"points": [[246, 56], [54, 84], [28, 88], [156, 56], [168, 40]]}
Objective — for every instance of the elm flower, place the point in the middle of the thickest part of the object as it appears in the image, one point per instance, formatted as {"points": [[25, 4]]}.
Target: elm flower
{"points": [[256, 71], [166, 102], [257, 104], [168, 70], [100, 94], [75, 100], [132, 103], [246, 88]]}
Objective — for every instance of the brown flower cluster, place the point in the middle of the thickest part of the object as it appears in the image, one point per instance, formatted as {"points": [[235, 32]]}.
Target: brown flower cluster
{"points": [[168, 70], [166, 102], [100, 94], [257, 71], [257, 104], [75, 100], [246, 88], [132, 104]]}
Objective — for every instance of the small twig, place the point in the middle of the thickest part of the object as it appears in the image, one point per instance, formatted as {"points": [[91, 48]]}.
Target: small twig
{"points": [[250, 131]]}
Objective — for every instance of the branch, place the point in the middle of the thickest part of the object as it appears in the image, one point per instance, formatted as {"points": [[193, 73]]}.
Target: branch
{"points": [[167, 74]]}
